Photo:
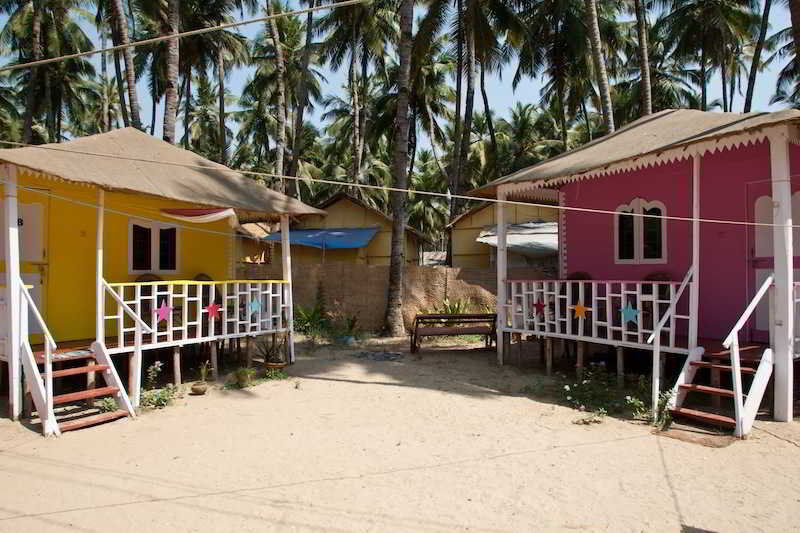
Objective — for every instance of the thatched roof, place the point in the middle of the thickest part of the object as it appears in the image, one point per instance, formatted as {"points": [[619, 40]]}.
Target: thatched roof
{"points": [[128, 160], [653, 134]]}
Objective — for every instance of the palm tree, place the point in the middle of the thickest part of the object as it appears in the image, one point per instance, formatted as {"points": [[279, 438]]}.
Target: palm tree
{"points": [[121, 23], [599, 63], [755, 65], [280, 147], [362, 34], [707, 30], [644, 55], [794, 10], [395, 325], [173, 67], [302, 101]]}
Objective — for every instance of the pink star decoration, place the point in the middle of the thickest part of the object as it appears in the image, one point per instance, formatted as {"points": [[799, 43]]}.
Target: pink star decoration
{"points": [[213, 310], [163, 311]]}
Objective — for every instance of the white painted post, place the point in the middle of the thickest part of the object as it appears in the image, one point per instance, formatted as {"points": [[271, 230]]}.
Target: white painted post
{"points": [[694, 289], [100, 295], [286, 265], [784, 274], [502, 273], [13, 341], [100, 333]]}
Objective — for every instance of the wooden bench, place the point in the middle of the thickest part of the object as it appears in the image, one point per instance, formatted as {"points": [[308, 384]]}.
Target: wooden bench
{"points": [[439, 325]]}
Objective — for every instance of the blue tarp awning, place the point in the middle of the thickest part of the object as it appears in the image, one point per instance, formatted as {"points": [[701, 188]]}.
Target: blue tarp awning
{"points": [[328, 239]]}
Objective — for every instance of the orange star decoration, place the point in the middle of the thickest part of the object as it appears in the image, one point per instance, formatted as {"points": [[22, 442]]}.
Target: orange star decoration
{"points": [[580, 310]]}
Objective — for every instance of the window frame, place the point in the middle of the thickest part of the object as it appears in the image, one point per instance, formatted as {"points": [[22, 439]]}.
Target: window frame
{"points": [[155, 246], [637, 206]]}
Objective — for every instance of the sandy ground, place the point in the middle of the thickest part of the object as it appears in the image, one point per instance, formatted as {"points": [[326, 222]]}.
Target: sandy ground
{"points": [[438, 444]]}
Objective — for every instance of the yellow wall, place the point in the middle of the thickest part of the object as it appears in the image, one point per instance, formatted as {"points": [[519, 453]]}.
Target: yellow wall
{"points": [[467, 252], [68, 270], [346, 214]]}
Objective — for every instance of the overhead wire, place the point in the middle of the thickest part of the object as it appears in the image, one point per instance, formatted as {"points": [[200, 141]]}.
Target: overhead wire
{"points": [[447, 195], [188, 33]]}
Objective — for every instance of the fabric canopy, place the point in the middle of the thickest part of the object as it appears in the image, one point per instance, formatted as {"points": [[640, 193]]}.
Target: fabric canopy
{"points": [[329, 239], [128, 160], [531, 239], [201, 216]]}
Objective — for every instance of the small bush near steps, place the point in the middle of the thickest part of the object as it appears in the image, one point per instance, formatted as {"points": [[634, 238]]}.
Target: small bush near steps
{"points": [[596, 394]]}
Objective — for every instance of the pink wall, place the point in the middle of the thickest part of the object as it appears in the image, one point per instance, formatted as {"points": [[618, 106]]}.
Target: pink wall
{"points": [[725, 178], [725, 271], [590, 236]]}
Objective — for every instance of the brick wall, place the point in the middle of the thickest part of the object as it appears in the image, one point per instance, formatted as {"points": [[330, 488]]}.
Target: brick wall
{"points": [[360, 290]]}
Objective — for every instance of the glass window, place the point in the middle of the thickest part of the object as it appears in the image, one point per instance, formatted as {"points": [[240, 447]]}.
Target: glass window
{"points": [[167, 248], [652, 236], [141, 244], [626, 235]]}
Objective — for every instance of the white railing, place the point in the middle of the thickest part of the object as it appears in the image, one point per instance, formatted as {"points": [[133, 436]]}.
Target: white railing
{"points": [[655, 339], [188, 312], [42, 393], [745, 414], [592, 311]]}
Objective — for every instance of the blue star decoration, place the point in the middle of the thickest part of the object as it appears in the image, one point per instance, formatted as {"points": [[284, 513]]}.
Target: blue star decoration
{"points": [[629, 314], [255, 306]]}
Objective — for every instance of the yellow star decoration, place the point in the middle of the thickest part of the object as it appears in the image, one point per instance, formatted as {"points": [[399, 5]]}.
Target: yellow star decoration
{"points": [[580, 310]]}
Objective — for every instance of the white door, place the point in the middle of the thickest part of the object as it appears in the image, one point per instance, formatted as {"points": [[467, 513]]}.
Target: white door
{"points": [[32, 223]]}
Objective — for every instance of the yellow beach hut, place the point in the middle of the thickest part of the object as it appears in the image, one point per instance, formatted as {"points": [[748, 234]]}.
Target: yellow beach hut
{"points": [[119, 243]]}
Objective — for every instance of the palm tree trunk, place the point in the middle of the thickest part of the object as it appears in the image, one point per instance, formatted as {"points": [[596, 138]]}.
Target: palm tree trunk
{"points": [[153, 115], [488, 111], [123, 106], [703, 84], [723, 71], [297, 138], [104, 122], [455, 179], [223, 142], [599, 63], [395, 325], [586, 118], [173, 62], [187, 107], [644, 57], [755, 66], [36, 44], [351, 79], [794, 10], [469, 105], [280, 142], [127, 53], [362, 127]]}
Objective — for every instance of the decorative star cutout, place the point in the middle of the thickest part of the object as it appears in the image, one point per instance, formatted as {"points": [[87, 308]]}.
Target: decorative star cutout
{"points": [[580, 310], [629, 314], [255, 306], [163, 311], [539, 307], [213, 310]]}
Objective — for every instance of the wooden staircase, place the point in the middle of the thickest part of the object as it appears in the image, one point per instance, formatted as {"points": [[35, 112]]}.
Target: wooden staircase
{"points": [[707, 412], [67, 412]]}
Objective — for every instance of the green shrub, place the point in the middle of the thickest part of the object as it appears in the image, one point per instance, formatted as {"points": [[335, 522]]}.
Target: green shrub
{"points": [[310, 320], [159, 398]]}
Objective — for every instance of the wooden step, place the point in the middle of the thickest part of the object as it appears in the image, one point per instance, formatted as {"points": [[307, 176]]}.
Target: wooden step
{"points": [[68, 354], [708, 418], [724, 368], [92, 420], [79, 370], [84, 395], [691, 387]]}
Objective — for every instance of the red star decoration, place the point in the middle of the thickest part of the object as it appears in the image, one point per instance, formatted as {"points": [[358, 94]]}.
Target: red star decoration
{"points": [[539, 308], [213, 310]]}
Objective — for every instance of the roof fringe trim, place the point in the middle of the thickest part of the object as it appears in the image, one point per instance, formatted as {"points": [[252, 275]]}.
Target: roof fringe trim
{"points": [[656, 159]]}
